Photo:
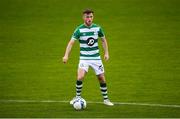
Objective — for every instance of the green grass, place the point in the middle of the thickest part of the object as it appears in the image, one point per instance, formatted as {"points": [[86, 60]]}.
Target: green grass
{"points": [[144, 65]]}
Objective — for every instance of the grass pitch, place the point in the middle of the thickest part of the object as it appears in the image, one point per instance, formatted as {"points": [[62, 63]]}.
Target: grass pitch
{"points": [[144, 65]]}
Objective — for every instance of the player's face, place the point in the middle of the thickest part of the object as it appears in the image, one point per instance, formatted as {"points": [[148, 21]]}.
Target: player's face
{"points": [[88, 19]]}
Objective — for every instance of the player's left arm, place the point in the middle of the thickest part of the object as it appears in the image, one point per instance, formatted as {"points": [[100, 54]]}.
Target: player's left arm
{"points": [[105, 47]]}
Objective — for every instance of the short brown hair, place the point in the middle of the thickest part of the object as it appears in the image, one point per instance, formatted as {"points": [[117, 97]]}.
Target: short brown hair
{"points": [[88, 11]]}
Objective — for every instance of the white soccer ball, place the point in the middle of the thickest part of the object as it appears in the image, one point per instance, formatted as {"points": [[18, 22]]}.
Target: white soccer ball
{"points": [[79, 104]]}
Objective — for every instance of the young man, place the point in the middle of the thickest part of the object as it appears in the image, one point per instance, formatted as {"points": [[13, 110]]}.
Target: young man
{"points": [[88, 34]]}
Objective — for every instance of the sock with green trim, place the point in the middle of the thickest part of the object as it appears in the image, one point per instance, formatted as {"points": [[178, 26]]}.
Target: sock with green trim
{"points": [[79, 86], [103, 88]]}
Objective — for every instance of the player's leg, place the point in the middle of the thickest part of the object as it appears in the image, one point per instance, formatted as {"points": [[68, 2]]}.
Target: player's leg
{"points": [[103, 88], [79, 82], [83, 68], [99, 70]]}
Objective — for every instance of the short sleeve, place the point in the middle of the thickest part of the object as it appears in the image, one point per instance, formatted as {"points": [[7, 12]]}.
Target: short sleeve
{"points": [[76, 34], [101, 33]]}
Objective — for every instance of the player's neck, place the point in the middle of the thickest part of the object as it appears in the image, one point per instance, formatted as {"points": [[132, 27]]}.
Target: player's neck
{"points": [[88, 25]]}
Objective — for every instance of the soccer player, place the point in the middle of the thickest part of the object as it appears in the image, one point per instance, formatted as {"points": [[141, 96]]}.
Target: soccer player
{"points": [[87, 34]]}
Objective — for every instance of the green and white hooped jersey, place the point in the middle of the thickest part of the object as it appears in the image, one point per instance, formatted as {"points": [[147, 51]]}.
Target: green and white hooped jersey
{"points": [[88, 39]]}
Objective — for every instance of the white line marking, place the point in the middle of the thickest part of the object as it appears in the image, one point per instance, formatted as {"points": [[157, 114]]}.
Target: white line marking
{"points": [[148, 104], [116, 103], [142, 104]]}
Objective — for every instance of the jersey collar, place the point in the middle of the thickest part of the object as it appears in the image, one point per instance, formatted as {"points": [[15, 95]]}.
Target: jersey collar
{"points": [[88, 26]]}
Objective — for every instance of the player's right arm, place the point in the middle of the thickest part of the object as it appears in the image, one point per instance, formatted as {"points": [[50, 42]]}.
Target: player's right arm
{"points": [[74, 37], [68, 50]]}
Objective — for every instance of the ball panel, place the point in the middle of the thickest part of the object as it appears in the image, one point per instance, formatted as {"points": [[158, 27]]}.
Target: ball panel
{"points": [[79, 104]]}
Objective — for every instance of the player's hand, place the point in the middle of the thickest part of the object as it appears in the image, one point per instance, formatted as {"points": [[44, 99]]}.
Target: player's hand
{"points": [[65, 59], [106, 57]]}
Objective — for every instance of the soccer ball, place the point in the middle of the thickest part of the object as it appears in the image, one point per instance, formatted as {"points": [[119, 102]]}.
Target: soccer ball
{"points": [[79, 104]]}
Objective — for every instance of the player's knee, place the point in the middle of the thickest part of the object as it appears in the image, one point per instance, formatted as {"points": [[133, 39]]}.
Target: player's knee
{"points": [[81, 74], [80, 77], [101, 78]]}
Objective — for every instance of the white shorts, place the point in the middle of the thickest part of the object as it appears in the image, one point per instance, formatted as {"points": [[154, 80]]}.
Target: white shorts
{"points": [[96, 65]]}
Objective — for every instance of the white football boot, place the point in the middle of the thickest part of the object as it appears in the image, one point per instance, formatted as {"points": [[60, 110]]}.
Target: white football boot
{"points": [[108, 102]]}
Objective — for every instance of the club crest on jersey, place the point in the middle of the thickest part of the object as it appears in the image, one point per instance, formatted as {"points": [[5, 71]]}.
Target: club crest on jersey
{"points": [[90, 41]]}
